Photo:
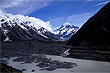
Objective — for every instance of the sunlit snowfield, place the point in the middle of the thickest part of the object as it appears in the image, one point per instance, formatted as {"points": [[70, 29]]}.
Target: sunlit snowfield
{"points": [[83, 66]]}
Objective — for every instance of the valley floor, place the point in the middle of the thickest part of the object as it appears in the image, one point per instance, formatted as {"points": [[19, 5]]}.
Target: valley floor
{"points": [[74, 65]]}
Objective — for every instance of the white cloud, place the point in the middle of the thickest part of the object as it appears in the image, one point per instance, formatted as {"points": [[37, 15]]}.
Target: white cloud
{"points": [[36, 22], [57, 22], [9, 3], [89, 0], [79, 19], [102, 3], [94, 0], [75, 19], [23, 6], [1, 12]]}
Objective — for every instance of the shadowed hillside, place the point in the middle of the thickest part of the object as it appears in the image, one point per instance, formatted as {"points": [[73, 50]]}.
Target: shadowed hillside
{"points": [[96, 31], [92, 41]]}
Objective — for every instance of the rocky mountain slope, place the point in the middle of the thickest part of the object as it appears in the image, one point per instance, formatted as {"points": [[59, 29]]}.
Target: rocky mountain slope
{"points": [[92, 41], [14, 29], [48, 34], [96, 31], [66, 31]]}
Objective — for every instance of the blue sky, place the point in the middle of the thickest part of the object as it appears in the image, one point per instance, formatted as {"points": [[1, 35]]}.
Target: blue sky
{"points": [[57, 12]]}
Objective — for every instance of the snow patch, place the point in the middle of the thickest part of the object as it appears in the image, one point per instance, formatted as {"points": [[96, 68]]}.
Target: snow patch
{"points": [[66, 53]]}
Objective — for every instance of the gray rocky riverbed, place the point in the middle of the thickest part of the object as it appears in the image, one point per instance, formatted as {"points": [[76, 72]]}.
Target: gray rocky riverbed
{"points": [[56, 64]]}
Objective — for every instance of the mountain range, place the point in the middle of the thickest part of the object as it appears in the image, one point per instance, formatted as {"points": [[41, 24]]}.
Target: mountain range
{"points": [[15, 29]]}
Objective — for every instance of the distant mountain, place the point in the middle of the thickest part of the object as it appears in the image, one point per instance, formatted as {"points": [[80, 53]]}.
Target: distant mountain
{"points": [[66, 31], [13, 29], [95, 32]]}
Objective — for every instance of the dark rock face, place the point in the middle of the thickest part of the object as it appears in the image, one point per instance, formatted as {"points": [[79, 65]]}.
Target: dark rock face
{"points": [[33, 70], [96, 31], [8, 69]]}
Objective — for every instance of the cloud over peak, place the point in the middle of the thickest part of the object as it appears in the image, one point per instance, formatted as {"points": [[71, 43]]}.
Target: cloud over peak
{"points": [[36, 22]]}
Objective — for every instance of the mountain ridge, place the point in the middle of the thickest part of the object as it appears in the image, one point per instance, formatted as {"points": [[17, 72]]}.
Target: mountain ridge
{"points": [[15, 29], [95, 31]]}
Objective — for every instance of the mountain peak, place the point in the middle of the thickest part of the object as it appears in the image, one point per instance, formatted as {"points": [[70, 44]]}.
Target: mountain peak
{"points": [[67, 24], [66, 31]]}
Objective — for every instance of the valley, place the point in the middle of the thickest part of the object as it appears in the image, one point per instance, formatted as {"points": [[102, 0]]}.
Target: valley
{"points": [[29, 45]]}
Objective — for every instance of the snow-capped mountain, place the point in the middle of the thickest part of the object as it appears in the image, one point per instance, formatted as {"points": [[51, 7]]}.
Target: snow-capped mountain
{"points": [[47, 33], [66, 31], [13, 28]]}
